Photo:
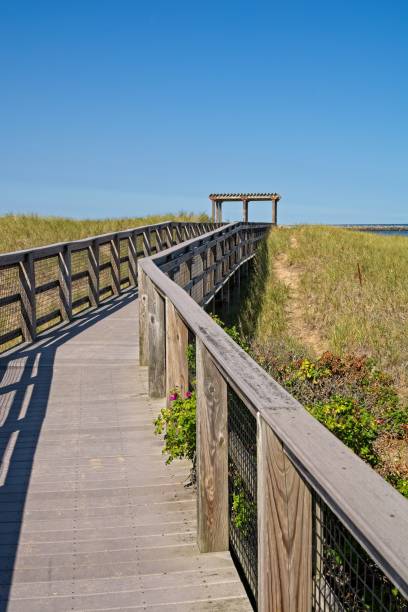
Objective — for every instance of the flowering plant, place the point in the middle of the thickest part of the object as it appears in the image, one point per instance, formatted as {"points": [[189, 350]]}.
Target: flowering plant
{"points": [[178, 423]]}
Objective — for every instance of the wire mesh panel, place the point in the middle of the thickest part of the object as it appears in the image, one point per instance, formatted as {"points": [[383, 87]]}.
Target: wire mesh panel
{"points": [[344, 576], [197, 291], [47, 292], [182, 275], [139, 245], [10, 312], [80, 286], [242, 483], [105, 273], [124, 262]]}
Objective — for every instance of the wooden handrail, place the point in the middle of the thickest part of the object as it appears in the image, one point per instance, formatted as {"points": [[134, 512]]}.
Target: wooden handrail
{"points": [[58, 288], [374, 513]]}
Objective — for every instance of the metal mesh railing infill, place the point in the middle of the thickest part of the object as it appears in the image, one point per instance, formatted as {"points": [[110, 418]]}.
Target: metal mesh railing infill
{"points": [[345, 578], [242, 483]]}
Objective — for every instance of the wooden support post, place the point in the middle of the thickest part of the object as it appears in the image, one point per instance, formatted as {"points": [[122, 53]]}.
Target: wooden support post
{"points": [[65, 283], [132, 253], [169, 233], [115, 264], [176, 351], [93, 270], [143, 319], [212, 455], [147, 248], [219, 215], [274, 212], [212, 211], [156, 341], [179, 235], [159, 241], [28, 316], [284, 529], [245, 211]]}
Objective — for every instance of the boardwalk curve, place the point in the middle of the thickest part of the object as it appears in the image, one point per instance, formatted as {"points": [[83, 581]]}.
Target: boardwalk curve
{"points": [[90, 517]]}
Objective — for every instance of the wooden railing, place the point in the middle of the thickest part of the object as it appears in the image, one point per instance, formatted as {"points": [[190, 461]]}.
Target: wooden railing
{"points": [[44, 286], [330, 533]]}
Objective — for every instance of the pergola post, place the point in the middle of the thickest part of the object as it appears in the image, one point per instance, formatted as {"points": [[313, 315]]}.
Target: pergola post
{"points": [[274, 211], [217, 200], [219, 204], [245, 211]]}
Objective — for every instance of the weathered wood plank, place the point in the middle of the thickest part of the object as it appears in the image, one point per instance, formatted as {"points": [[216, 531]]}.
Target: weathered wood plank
{"points": [[284, 529], [65, 283], [212, 455], [93, 269], [143, 318], [28, 318], [176, 351], [156, 341], [132, 259], [115, 264]]}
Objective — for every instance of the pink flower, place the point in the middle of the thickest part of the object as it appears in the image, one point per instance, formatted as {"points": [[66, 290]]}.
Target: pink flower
{"points": [[380, 421], [188, 394], [173, 396]]}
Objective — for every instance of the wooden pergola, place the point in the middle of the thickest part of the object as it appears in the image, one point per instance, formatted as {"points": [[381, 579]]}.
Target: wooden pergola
{"points": [[218, 198]]}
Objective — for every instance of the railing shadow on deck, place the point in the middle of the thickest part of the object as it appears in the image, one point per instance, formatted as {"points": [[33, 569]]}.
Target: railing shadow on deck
{"points": [[25, 383]]}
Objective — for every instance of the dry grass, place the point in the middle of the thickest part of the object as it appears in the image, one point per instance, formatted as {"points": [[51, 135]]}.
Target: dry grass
{"points": [[316, 289], [27, 231], [352, 290]]}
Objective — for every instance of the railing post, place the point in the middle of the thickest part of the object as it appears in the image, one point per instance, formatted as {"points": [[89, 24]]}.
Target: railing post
{"points": [[169, 236], [115, 264], [65, 283], [156, 341], [147, 249], [179, 236], [176, 351], [212, 455], [143, 318], [28, 318], [93, 270], [132, 253], [159, 241], [284, 507]]}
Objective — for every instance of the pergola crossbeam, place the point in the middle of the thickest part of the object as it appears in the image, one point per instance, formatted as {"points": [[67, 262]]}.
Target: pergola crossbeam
{"points": [[217, 200]]}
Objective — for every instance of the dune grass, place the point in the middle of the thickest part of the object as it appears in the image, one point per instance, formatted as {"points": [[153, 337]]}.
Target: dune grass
{"points": [[27, 231], [352, 291], [326, 314]]}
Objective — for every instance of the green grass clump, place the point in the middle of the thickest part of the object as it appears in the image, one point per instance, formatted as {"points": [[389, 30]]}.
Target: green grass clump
{"points": [[27, 231], [351, 292]]}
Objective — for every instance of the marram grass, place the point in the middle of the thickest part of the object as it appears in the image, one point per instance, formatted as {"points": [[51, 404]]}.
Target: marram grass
{"points": [[28, 231], [352, 291]]}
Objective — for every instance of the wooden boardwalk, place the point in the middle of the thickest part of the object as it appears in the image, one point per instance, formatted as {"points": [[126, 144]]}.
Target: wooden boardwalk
{"points": [[90, 516]]}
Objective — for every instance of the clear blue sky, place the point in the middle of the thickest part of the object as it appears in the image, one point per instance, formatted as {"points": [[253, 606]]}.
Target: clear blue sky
{"points": [[125, 107]]}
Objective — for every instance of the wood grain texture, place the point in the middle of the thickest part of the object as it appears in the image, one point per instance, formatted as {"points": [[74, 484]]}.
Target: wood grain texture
{"points": [[176, 351], [93, 270], [212, 455], [65, 284], [28, 318], [132, 251], [284, 529], [156, 341], [115, 264], [143, 319]]}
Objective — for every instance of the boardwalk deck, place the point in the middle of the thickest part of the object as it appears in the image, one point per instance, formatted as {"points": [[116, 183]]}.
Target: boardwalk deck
{"points": [[90, 517]]}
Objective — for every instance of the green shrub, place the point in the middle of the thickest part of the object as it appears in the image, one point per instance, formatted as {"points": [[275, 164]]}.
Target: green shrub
{"points": [[233, 332], [350, 422], [178, 423], [243, 508]]}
